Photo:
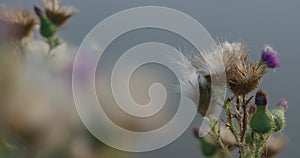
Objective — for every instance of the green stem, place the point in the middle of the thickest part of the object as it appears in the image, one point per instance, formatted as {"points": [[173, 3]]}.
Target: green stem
{"points": [[219, 138], [259, 147], [53, 42], [233, 130], [245, 120], [238, 111]]}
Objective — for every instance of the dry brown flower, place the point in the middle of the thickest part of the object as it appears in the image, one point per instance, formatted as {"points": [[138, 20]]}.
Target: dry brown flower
{"points": [[230, 59], [225, 54], [244, 78], [233, 54], [58, 13], [20, 22]]}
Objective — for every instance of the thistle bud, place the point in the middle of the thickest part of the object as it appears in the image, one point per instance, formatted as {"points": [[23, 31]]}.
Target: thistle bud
{"points": [[283, 104], [47, 28], [279, 115], [208, 149], [261, 121], [207, 144]]}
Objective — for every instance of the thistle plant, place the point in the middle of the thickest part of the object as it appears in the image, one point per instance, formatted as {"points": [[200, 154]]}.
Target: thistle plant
{"points": [[51, 18], [248, 126], [18, 25], [39, 119]]}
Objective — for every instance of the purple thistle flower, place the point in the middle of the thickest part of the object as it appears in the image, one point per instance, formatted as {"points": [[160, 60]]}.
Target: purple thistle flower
{"points": [[283, 103], [270, 57]]}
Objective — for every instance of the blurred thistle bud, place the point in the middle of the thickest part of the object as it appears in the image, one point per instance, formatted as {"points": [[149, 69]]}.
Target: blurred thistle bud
{"points": [[47, 28], [252, 109], [208, 148], [208, 145], [270, 57], [262, 120], [283, 103], [279, 115]]}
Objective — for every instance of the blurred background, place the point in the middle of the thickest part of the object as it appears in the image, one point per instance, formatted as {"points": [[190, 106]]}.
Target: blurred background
{"points": [[255, 23]]}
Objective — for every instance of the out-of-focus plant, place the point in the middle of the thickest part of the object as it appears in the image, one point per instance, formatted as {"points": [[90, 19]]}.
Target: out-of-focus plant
{"points": [[37, 113], [52, 18], [248, 128]]}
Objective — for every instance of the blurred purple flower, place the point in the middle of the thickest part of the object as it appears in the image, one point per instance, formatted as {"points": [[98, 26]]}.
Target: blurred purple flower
{"points": [[283, 103], [270, 57]]}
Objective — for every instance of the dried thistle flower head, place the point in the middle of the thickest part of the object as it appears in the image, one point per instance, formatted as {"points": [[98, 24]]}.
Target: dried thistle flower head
{"points": [[228, 53], [243, 79], [21, 22], [208, 63], [58, 13], [233, 53]]}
